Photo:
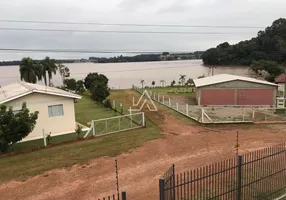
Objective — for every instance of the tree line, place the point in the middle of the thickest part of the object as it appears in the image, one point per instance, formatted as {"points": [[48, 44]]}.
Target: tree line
{"points": [[265, 54], [148, 57]]}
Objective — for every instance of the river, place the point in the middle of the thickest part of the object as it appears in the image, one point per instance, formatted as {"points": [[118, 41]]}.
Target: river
{"points": [[123, 75]]}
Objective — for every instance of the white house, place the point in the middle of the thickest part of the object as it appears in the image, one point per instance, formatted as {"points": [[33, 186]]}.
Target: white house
{"points": [[55, 106]]}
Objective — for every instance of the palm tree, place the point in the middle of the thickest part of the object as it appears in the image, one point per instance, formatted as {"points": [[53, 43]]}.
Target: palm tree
{"points": [[182, 79], [163, 83], [142, 82], [30, 71], [64, 71], [48, 66]]}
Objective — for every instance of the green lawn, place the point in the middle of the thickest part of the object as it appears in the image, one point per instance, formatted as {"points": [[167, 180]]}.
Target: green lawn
{"points": [[181, 91], [24, 165], [40, 142], [86, 110]]}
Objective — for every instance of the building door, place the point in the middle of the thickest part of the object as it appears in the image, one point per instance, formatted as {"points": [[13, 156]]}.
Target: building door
{"points": [[255, 97], [213, 97]]}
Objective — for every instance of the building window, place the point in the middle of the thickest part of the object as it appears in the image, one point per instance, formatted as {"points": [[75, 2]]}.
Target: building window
{"points": [[56, 110]]}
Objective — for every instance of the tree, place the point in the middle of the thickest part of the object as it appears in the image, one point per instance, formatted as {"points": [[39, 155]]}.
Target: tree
{"points": [[190, 81], [182, 79], [99, 91], [142, 83], [30, 71], [153, 83], [79, 85], [48, 66], [15, 126], [163, 83], [70, 84], [173, 83], [165, 53], [91, 77], [268, 70], [64, 71], [269, 44]]}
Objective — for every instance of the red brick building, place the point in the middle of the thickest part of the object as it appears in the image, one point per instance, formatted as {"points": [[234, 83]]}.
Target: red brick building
{"points": [[226, 89]]}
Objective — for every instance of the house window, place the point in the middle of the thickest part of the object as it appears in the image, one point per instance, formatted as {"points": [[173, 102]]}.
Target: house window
{"points": [[56, 110]]}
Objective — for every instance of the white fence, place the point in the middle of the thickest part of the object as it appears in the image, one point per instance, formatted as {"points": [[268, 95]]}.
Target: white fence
{"points": [[116, 124], [223, 114]]}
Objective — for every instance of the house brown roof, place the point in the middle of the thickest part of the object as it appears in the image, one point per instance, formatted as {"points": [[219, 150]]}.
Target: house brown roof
{"points": [[280, 79]]}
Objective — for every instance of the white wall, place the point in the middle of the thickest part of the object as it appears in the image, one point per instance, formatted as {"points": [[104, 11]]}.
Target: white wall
{"points": [[55, 125], [281, 87]]}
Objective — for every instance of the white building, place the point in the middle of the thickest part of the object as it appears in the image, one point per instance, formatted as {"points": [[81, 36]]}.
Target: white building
{"points": [[55, 106]]}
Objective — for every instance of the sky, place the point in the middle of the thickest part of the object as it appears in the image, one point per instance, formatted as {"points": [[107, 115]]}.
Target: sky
{"points": [[258, 13]]}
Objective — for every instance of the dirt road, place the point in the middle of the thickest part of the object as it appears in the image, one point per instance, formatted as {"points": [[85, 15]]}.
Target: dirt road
{"points": [[139, 170]]}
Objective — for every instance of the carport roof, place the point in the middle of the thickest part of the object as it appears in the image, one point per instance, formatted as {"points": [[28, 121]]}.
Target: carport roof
{"points": [[221, 78]]}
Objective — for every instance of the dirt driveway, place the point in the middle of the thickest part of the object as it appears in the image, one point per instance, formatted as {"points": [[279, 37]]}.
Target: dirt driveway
{"points": [[139, 170]]}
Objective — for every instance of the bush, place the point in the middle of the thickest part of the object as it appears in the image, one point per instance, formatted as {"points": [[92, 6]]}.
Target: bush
{"points": [[78, 131], [107, 103]]}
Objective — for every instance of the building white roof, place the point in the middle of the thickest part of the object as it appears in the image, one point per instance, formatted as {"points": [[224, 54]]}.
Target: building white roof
{"points": [[19, 89], [221, 78]]}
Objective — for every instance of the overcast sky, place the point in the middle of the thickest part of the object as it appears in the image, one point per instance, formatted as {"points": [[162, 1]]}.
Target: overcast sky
{"points": [[190, 12]]}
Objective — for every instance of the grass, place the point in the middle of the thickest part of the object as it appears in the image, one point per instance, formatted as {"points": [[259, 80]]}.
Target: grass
{"points": [[22, 166], [86, 110], [181, 91], [40, 143]]}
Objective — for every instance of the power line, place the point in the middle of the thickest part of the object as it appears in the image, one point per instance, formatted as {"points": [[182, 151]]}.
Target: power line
{"points": [[123, 32], [127, 70], [123, 24], [86, 51]]}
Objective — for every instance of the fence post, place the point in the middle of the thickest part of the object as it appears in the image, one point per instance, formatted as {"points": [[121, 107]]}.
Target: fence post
{"points": [[93, 128], [174, 181], [130, 117], [154, 96], [253, 114], [177, 106], [202, 115], [114, 106], [143, 119], [187, 109], [123, 194], [239, 177], [169, 102], [44, 137], [106, 126], [161, 188], [242, 114], [158, 98], [163, 99]]}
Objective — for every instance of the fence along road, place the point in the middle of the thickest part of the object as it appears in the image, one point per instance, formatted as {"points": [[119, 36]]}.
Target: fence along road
{"points": [[259, 175], [221, 114]]}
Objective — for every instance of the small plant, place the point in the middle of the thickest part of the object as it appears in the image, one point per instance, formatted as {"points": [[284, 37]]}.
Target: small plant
{"points": [[49, 138], [78, 131], [107, 103]]}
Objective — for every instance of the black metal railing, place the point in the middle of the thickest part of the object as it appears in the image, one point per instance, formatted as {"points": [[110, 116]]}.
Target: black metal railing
{"points": [[115, 197], [259, 175]]}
